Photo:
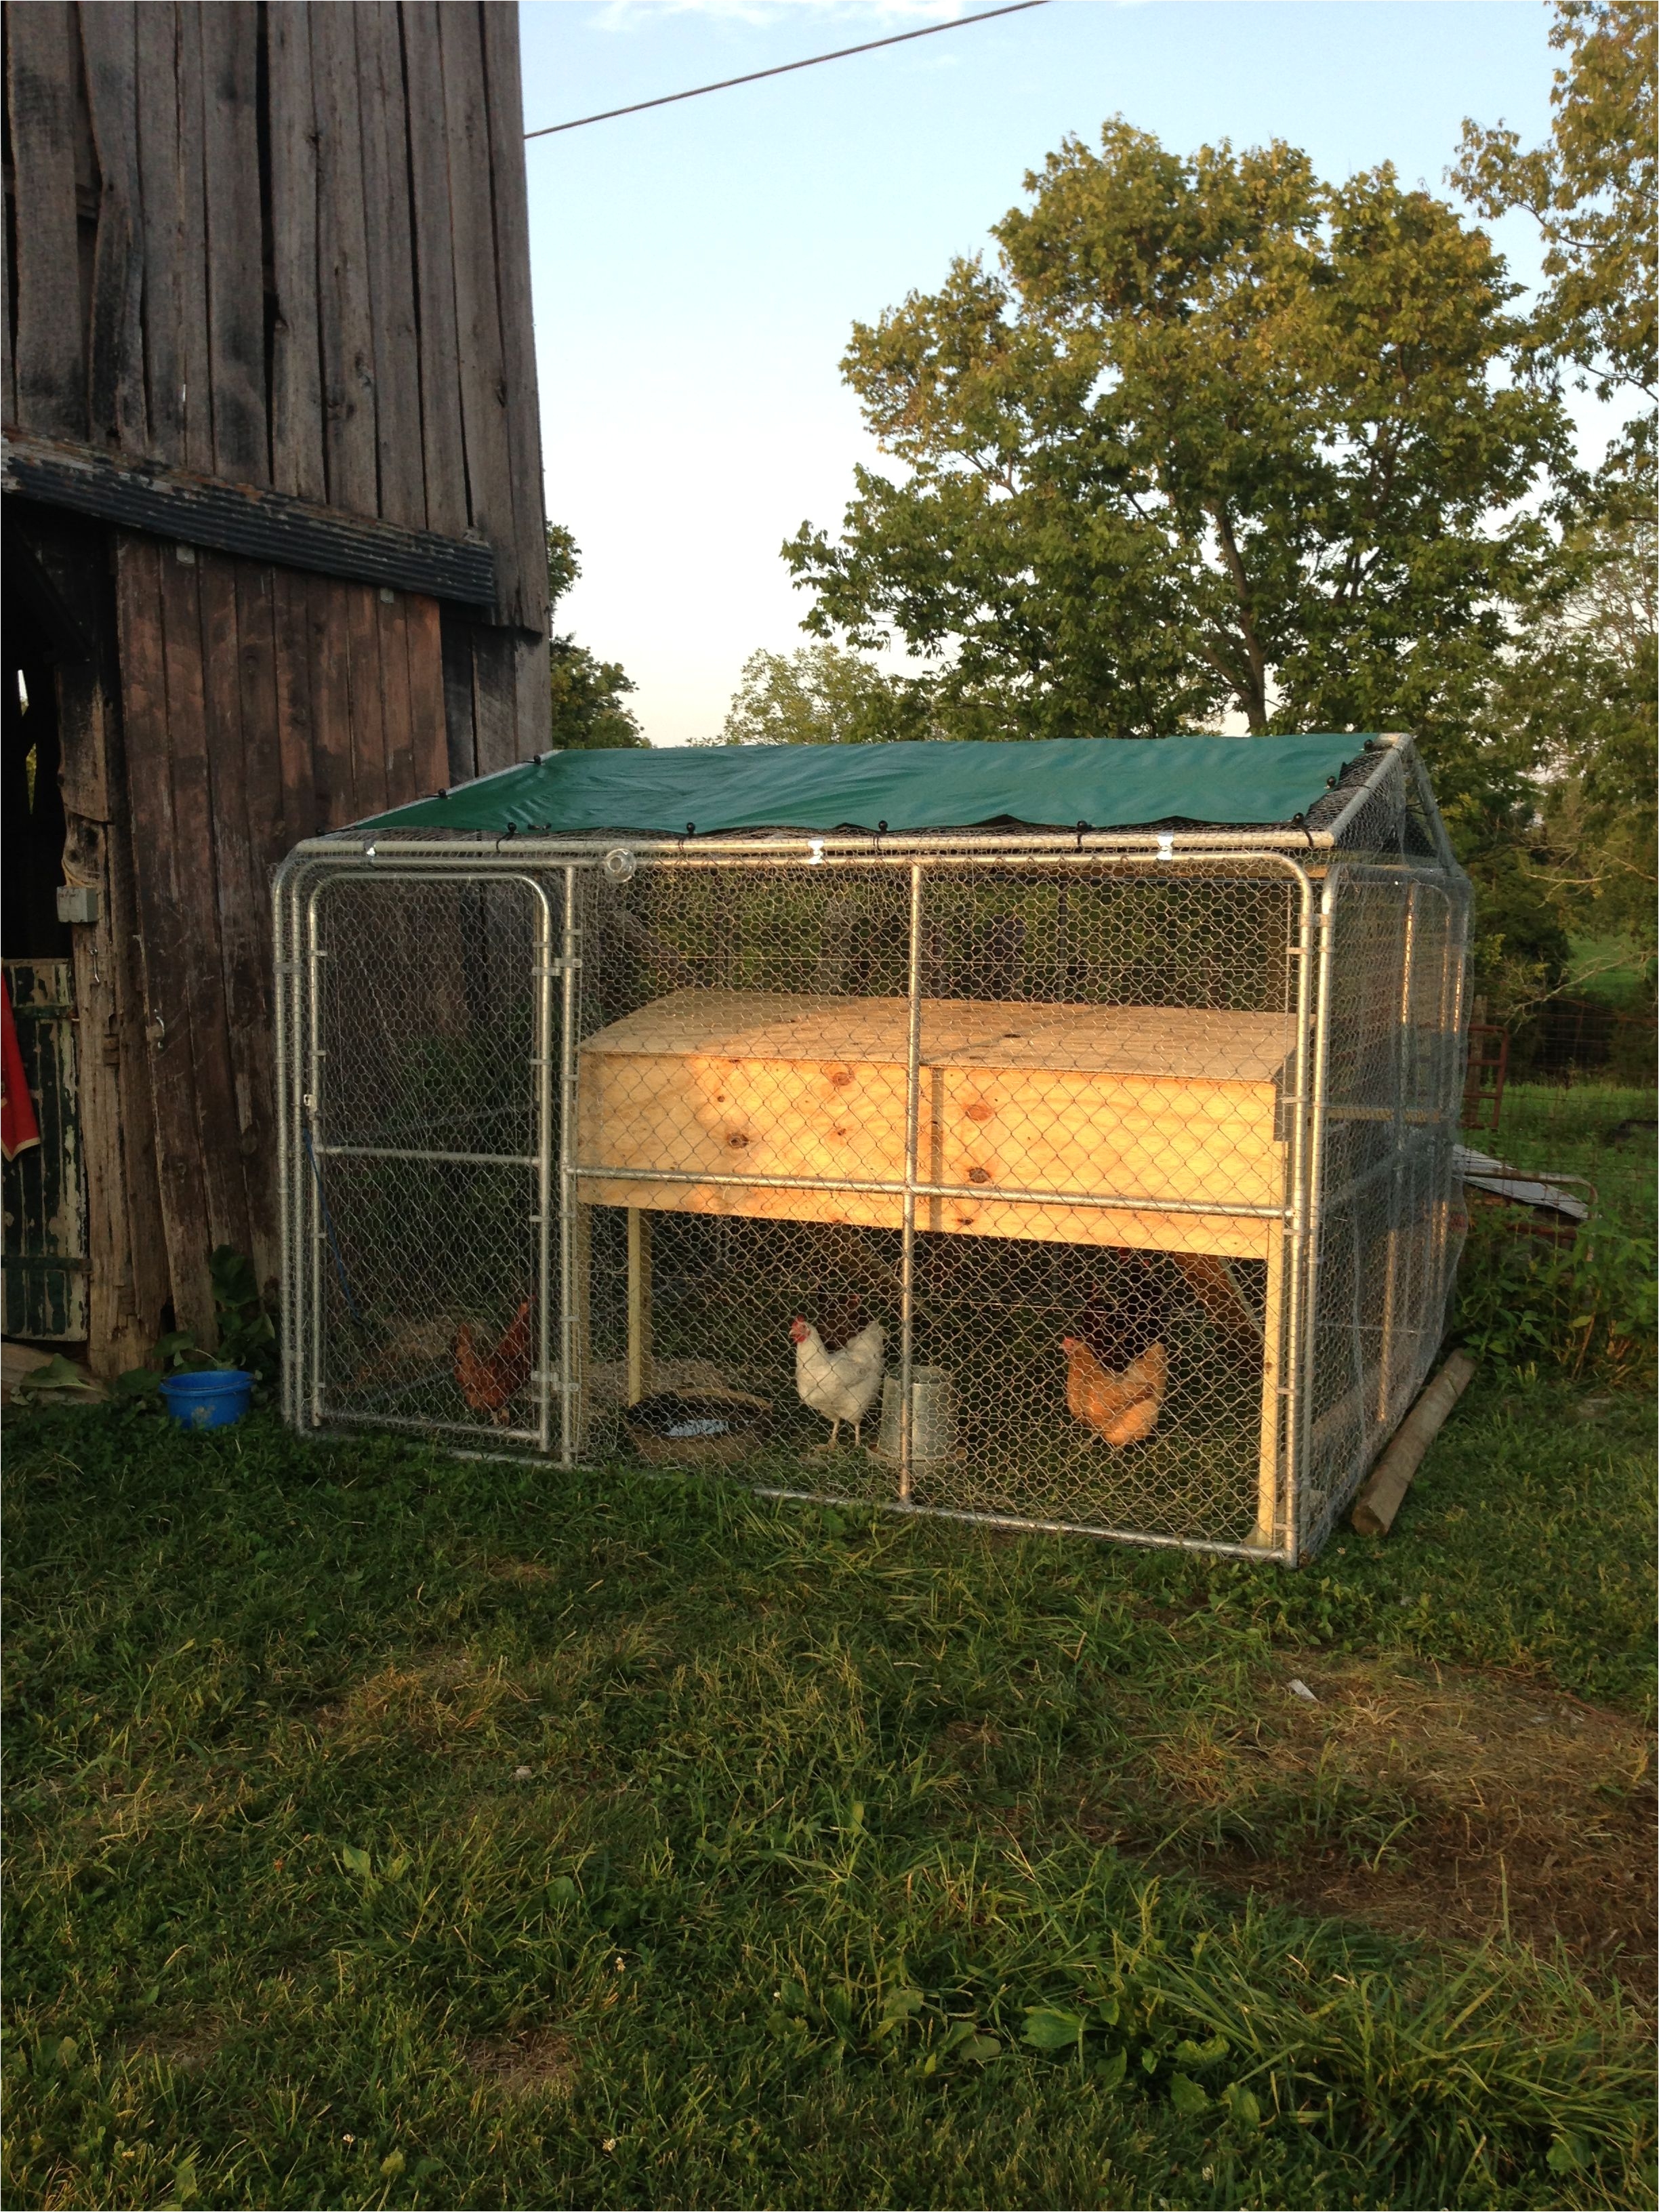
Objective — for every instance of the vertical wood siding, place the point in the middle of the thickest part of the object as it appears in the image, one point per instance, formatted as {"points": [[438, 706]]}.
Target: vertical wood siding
{"points": [[282, 245], [285, 245], [262, 706]]}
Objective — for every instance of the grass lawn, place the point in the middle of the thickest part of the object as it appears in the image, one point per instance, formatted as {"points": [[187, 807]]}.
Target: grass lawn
{"points": [[388, 1829]]}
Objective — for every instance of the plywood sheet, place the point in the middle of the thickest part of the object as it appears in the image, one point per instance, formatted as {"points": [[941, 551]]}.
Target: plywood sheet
{"points": [[1165, 1105]]}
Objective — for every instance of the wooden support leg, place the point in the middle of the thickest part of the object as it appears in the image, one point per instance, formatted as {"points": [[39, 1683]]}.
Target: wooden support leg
{"points": [[580, 1347], [1266, 1482], [639, 1305]]}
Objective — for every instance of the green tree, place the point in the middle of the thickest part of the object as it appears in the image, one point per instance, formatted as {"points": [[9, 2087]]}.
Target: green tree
{"points": [[588, 711], [1579, 696], [819, 695], [1593, 190], [1212, 434]]}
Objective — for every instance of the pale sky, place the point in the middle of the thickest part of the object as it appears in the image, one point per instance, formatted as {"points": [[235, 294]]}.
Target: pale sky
{"points": [[697, 268]]}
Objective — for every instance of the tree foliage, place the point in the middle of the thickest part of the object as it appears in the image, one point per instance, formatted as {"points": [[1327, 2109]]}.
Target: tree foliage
{"points": [[589, 711], [820, 695], [1593, 190], [1211, 435]]}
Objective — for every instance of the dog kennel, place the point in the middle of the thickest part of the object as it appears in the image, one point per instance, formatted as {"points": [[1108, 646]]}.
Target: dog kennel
{"points": [[1053, 1133]]}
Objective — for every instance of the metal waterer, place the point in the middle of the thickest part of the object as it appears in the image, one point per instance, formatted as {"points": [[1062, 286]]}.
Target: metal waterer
{"points": [[933, 1416]]}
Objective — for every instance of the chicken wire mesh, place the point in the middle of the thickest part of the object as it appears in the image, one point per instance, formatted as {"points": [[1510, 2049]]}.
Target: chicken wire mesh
{"points": [[1080, 1188], [425, 1156]]}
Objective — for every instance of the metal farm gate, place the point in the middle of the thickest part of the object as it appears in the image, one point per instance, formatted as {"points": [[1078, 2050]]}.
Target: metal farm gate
{"points": [[420, 1038], [1093, 1183]]}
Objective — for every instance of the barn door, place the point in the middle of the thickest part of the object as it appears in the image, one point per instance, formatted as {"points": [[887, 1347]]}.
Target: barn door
{"points": [[427, 1155]]}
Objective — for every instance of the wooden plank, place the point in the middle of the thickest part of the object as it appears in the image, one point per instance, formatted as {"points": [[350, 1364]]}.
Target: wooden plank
{"points": [[229, 33], [196, 363], [495, 700], [8, 367], [428, 737], [367, 723], [331, 705], [483, 369], [1269, 1449], [244, 906], [504, 105], [204, 744], [128, 1153], [342, 305], [1375, 1508], [398, 725], [127, 1279], [43, 63], [390, 263], [116, 1337], [532, 685], [290, 616], [438, 344], [249, 521], [115, 348], [156, 34], [1163, 1105], [1172, 1041], [639, 1305], [296, 388], [162, 926], [460, 721]]}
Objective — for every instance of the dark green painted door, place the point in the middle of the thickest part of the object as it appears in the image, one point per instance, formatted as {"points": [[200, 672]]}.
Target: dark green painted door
{"points": [[45, 1186]]}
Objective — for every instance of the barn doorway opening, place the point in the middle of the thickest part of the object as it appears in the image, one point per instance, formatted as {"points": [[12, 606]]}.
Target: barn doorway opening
{"points": [[45, 1240]]}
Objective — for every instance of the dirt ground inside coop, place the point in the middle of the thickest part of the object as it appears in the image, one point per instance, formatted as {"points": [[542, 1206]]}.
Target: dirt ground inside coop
{"points": [[991, 1318]]}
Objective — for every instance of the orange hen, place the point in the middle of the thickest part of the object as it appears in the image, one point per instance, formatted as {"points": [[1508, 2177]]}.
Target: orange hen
{"points": [[1122, 1407], [490, 1380]]}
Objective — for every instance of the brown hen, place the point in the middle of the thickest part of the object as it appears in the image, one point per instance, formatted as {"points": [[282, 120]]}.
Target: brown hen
{"points": [[1122, 1405], [490, 1380]]}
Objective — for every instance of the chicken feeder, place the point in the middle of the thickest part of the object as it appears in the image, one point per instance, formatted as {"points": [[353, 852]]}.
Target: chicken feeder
{"points": [[1059, 1134]]}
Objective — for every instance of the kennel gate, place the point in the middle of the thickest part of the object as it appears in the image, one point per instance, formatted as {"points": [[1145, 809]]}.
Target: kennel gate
{"points": [[651, 1096]]}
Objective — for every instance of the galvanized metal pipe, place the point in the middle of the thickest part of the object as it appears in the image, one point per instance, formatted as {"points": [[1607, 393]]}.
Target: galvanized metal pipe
{"points": [[284, 1145], [912, 1138], [571, 1380], [447, 1159], [1287, 1383], [1020, 1522], [1321, 1072], [386, 851], [542, 1048], [981, 1193], [338, 1415], [311, 1108]]}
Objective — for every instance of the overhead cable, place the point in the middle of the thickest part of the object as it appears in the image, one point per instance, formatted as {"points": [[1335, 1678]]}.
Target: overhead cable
{"points": [[725, 83]]}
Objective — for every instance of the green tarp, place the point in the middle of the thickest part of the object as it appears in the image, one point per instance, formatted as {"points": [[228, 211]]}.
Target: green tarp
{"points": [[1111, 783]]}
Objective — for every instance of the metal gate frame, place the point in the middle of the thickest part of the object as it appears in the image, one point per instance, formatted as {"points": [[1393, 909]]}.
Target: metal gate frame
{"points": [[1310, 861], [302, 1054]]}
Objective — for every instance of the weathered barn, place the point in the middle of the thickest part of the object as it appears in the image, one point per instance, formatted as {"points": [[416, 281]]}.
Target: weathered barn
{"points": [[274, 560]]}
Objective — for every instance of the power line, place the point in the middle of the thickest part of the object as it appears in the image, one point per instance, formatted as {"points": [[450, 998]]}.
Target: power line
{"points": [[899, 38]]}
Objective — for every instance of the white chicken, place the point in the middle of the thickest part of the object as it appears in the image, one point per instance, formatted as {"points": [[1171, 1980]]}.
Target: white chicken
{"points": [[839, 1385]]}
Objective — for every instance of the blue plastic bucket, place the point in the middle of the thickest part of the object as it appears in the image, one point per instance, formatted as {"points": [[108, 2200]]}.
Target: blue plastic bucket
{"points": [[210, 1400]]}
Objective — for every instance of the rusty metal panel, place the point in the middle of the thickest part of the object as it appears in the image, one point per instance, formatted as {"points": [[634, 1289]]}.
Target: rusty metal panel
{"points": [[46, 1187]]}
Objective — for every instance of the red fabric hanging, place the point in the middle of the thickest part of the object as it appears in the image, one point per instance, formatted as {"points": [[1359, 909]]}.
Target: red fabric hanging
{"points": [[18, 1127]]}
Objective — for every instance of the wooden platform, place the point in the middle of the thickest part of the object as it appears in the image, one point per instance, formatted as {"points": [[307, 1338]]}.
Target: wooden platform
{"points": [[1144, 1103]]}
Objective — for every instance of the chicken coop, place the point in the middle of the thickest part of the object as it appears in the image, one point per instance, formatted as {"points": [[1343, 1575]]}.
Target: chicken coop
{"points": [[1058, 1134]]}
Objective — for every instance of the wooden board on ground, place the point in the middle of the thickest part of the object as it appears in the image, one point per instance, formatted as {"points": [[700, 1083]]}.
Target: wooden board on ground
{"points": [[1167, 1105]]}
